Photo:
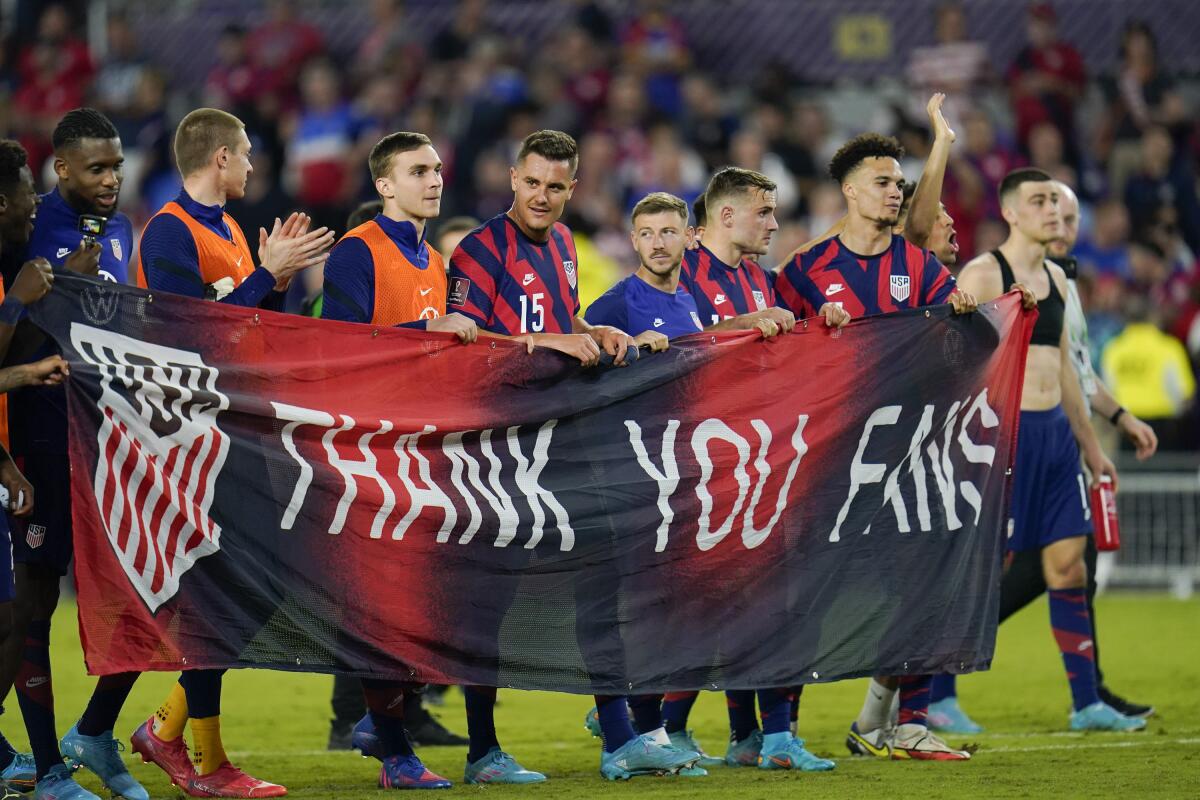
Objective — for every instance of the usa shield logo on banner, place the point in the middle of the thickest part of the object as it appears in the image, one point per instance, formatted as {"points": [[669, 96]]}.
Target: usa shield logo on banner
{"points": [[901, 287]]}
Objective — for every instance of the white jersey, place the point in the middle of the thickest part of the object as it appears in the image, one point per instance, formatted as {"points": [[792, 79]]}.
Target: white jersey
{"points": [[1077, 341]]}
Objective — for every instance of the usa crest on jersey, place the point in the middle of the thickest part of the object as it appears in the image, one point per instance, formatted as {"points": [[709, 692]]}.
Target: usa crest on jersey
{"points": [[116, 248], [760, 302], [901, 287], [569, 268]]}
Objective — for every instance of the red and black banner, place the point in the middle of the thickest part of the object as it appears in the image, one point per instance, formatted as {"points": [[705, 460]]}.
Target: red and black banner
{"points": [[255, 489]]}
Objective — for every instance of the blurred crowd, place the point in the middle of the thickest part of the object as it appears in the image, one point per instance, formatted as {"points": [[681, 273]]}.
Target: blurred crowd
{"points": [[623, 78]]}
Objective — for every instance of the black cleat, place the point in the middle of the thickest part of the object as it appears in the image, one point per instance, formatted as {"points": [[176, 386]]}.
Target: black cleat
{"points": [[339, 736], [1126, 707], [429, 732]]}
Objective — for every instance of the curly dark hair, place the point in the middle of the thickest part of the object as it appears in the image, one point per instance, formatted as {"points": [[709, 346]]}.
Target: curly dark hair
{"points": [[859, 149], [12, 159]]}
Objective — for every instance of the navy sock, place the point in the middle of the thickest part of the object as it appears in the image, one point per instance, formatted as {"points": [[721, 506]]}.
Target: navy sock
{"points": [[385, 704], [481, 721], [742, 721], [203, 689], [914, 699], [615, 727], [105, 705], [647, 712], [794, 708], [1073, 631], [943, 686], [775, 706], [675, 709], [35, 693]]}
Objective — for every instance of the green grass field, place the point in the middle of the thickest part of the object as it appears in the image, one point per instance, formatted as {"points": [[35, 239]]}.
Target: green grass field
{"points": [[275, 724]]}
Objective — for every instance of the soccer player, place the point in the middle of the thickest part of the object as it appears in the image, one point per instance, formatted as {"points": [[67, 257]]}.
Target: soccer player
{"points": [[1024, 580], [192, 247], [724, 281], [516, 276], [869, 269], [1049, 497]]}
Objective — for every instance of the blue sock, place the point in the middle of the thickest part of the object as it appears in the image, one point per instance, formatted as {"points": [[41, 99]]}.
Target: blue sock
{"points": [[203, 690], [675, 709], [647, 712], [615, 727], [481, 721], [105, 704], [914, 699], [943, 686], [1073, 631], [775, 706], [742, 721], [35, 693], [385, 704]]}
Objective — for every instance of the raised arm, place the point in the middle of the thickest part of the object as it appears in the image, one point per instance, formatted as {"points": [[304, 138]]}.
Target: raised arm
{"points": [[926, 202]]}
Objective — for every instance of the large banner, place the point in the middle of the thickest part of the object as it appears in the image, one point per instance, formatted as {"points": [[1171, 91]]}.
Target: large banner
{"points": [[254, 489]]}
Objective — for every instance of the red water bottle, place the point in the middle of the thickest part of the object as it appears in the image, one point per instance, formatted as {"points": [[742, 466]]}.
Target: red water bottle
{"points": [[1104, 515]]}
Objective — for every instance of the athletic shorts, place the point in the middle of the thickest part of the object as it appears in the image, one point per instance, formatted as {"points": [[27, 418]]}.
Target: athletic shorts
{"points": [[44, 537], [8, 586], [1049, 496]]}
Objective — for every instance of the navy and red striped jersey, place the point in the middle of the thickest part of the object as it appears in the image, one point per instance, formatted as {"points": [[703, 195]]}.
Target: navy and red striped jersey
{"points": [[724, 292], [510, 284], [903, 276]]}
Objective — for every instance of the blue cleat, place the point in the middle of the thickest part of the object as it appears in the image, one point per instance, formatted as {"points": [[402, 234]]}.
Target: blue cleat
{"points": [[57, 784], [946, 716], [1100, 716], [785, 751], [364, 739], [744, 753], [685, 741], [642, 755], [592, 723], [499, 767], [101, 755], [20, 774], [407, 772]]}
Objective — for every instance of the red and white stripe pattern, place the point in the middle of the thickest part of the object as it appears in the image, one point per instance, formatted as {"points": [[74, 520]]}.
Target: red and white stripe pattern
{"points": [[159, 455]]}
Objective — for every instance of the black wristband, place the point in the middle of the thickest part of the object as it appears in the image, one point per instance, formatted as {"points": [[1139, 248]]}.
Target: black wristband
{"points": [[1116, 415]]}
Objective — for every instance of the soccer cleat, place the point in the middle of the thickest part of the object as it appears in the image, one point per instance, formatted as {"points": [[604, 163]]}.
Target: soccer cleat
{"points": [[745, 753], [592, 722], [642, 755], [57, 784], [946, 716], [499, 767], [1126, 707], [685, 741], [171, 757], [429, 732], [101, 755], [20, 774], [407, 772], [917, 742], [230, 781], [873, 744], [365, 740], [1100, 716], [9, 793], [785, 751]]}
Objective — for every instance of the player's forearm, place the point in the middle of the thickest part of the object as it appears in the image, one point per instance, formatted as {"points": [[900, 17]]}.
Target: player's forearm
{"points": [[1102, 400], [742, 322], [927, 199], [13, 378], [1076, 411]]}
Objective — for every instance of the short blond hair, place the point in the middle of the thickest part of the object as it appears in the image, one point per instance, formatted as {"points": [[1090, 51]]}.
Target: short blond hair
{"points": [[658, 202], [202, 133]]}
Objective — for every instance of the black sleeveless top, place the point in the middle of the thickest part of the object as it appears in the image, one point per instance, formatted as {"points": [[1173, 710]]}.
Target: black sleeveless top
{"points": [[1051, 309]]}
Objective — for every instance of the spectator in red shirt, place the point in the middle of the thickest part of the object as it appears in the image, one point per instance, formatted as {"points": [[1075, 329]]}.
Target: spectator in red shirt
{"points": [[280, 47], [1046, 80], [233, 81]]}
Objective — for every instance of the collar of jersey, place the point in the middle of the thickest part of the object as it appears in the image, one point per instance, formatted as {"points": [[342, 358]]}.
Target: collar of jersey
{"points": [[404, 234]]}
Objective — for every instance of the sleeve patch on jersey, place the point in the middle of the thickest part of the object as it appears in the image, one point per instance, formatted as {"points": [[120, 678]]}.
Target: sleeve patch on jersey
{"points": [[460, 288]]}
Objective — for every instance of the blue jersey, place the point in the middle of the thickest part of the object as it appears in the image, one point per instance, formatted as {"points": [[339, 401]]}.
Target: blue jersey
{"points": [[37, 415], [634, 306], [724, 292], [510, 284]]}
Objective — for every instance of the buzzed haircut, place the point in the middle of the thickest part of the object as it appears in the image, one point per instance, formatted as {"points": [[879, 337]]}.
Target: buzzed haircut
{"points": [[1013, 180], [552, 146], [81, 123], [700, 212], [728, 182], [657, 203], [12, 159], [202, 133], [366, 211], [391, 145], [859, 149]]}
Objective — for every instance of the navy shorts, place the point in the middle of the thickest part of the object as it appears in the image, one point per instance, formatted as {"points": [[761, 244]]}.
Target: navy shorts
{"points": [[44, 537], [1049, 496], [8, 586]]}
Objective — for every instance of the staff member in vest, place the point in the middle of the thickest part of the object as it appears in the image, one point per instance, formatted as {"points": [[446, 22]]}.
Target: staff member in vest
{"points": [[384, 272], [192, 247]]}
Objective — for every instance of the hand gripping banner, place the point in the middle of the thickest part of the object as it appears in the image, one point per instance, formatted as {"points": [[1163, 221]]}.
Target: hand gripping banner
{"points": [[255, 489]]}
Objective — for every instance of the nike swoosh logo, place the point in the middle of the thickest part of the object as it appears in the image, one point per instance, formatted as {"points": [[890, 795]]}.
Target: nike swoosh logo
{"points": [[33, 683], [426, 291]]}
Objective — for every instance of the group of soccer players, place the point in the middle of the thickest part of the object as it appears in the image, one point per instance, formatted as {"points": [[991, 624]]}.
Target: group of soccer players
{"points": [[516, 276]]}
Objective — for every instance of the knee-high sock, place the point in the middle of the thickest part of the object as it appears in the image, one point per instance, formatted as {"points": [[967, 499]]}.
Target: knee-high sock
{"points": [[877, 706], [794, 709], [172, 716], [774, 705], [914, 699], [385, 703], [481, 720], [647, 712], [943, 686], [35, 693], [203, 688], [615, 727], [742, 722], [105, 704], [675, 709], [1073, 632], [208, 752]]}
